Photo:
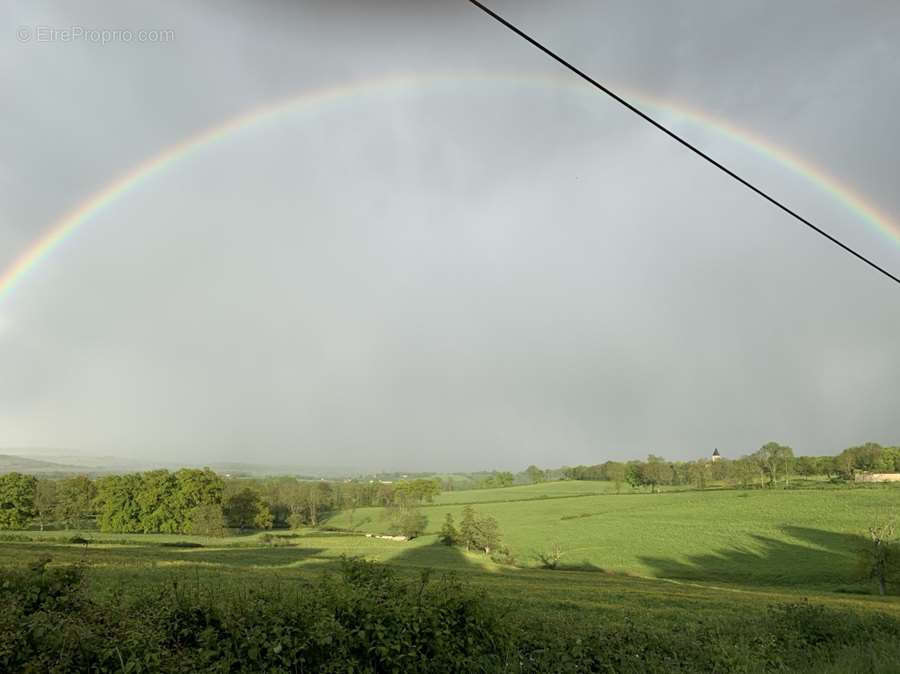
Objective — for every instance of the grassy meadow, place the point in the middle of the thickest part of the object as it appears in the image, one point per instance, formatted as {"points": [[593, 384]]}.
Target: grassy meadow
{"points": [[788, 538], [782, 540], [630, 559]]}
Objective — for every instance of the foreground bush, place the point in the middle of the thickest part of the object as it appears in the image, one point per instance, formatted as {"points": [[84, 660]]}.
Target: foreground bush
{"points": [[367, 620]]}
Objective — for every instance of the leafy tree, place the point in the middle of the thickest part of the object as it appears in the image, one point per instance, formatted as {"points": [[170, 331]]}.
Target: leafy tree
{"points": [[486, 534], [504, 478], [118, 509], [743, 471], [534, 474], [206, 520], [75, 500], [263, 518], [699, 473], [245, 510], [656, 472], [634, 475], [45, 501], [408, 493], [615, 473], [477, 532], [805, 465], [411, 523], [448, 534], [157, 498], [774, 460], [881, 559], [17, 494], [194, 487], [467, 532]]}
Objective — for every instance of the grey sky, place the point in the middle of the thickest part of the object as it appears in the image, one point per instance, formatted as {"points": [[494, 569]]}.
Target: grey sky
{"points": [[469, 274]]}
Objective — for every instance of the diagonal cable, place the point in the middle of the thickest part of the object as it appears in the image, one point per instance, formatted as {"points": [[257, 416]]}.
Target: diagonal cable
{"points": [[693, 148]]}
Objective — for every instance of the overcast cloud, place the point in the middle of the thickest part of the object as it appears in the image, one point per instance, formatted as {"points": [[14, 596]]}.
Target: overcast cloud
{"points": [[468, 273]]}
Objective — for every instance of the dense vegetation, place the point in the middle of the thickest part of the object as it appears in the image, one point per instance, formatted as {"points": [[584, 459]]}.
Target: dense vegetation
{"points": [[124, 590], [367, 619]]}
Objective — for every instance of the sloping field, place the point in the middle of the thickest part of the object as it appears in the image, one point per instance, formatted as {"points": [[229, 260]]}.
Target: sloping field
{"points": [[801, 538]]}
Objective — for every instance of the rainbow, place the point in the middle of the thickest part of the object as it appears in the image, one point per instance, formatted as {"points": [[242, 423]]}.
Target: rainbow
{"points": [[63, 229]]}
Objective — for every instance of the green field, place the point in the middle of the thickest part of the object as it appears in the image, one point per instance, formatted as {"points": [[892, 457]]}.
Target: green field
{"points": [[792, 538], [653, 559], [789, 540]]}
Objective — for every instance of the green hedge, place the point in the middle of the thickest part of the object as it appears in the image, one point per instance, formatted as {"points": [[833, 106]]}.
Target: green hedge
{"points": [[365, 619]]}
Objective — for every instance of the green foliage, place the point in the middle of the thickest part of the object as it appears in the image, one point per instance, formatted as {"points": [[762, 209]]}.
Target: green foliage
{"points": [[17, 493], [498, 480], [870, 457], [45, 501], [879, 557], [448, 534], [535, 474], [75, 500], [467, 527], [478, 532], [155, 501], [367, 619], [246, 510], [206, 520], [410, 523], [774, 462]]}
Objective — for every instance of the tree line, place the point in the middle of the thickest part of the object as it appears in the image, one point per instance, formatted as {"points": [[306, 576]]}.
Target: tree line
{"points": [[771, 465], [193, 501]]}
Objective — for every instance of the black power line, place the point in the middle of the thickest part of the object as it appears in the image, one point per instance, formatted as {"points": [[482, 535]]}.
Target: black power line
{"points": [[688, 145]]}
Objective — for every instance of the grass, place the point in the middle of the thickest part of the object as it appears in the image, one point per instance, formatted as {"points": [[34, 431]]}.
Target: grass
{"points": [[655, 558], [793, 538]]}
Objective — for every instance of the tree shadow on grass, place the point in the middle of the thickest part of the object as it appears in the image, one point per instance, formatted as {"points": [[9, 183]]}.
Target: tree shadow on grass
{"points": [[263, 556], [805, 557], [434, 555]]}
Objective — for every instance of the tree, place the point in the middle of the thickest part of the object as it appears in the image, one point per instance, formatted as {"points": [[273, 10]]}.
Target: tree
{"points": [[17, 494], [773, 460], [206, 520], [656, 472], [448, 534], [195, 488], [615, 473], [699, 472], [881, 559], [245, 510], [411, 523], [263, 518], [45, 501], [535, 474], [117, 507], [157, 498], [486, 534], [467, 527], [634, 475], [743, 471], [75, 500]]}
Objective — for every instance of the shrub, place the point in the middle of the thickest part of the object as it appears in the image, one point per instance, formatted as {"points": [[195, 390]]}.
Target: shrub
{"points": [[366, 619]]}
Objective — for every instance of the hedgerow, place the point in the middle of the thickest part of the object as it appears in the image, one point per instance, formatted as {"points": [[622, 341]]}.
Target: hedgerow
{"points": [[366, 619]]}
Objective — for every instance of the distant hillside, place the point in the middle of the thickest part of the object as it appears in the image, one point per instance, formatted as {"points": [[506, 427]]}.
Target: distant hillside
{"points": [[11, 463]]}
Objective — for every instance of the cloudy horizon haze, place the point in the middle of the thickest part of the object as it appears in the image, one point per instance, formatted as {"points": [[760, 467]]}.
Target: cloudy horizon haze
{"points": [[478, 269]]}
